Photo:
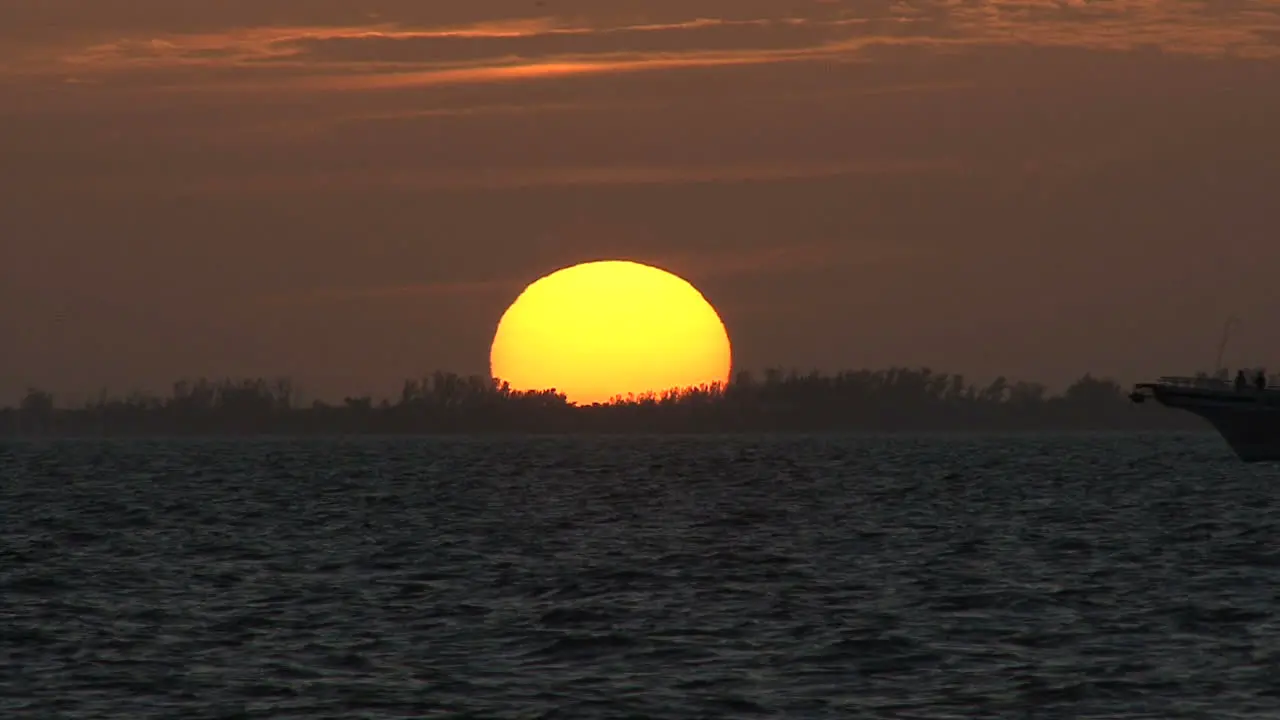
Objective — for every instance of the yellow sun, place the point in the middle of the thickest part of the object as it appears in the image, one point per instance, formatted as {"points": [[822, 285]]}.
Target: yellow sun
{"points": [[602, 329]]}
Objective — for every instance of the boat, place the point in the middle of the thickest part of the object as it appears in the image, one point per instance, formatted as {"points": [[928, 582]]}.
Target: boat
{"points": [[1245, 414]]}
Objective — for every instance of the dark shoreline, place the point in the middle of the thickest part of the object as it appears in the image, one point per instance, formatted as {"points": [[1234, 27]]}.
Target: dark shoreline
{"points": [[1174, 425], [896, 401]]}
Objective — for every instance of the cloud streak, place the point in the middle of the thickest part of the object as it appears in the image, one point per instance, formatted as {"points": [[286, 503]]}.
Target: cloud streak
{"points": [[512, 178], [415, 291], [771, 260], [392, 47], [698, 266], [389, 54]]}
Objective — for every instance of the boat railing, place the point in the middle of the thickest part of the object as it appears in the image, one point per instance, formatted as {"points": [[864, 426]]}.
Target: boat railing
{"points": [[1197, 382], [1208, 383]]}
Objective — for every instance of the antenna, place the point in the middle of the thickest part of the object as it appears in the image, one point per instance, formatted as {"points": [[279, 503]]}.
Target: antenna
{"points": [[1222, 344]]}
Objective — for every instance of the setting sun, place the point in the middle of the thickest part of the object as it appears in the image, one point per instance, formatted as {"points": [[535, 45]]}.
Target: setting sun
{"points": [[602, 329]]}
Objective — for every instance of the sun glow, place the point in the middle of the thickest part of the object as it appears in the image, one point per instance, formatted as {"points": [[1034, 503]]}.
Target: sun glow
{"points": [[611, 328]]}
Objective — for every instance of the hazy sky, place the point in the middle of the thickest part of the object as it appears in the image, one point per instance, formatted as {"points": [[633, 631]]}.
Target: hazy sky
{"points": [[351, 193]]}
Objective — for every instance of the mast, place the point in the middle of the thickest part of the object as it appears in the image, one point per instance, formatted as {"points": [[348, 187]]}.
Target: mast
{"points": [[1222, 344]]}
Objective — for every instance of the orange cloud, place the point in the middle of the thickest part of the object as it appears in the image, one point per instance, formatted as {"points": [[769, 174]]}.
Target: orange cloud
{"points": [[389, 55], [537, 70], [391, 46]]}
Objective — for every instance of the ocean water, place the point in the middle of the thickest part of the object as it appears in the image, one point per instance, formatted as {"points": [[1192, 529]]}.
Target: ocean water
{"points": [[1085, 576]]}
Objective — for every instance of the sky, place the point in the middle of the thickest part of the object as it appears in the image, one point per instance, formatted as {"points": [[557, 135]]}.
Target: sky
{"points": [[351, 193]]}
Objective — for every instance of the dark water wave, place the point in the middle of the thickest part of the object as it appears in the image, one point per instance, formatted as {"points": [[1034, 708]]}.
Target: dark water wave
{"points": [[1107, 576]]}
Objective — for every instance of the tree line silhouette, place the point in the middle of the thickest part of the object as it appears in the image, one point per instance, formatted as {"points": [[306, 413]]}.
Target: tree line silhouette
{"points": [[896, 399]]}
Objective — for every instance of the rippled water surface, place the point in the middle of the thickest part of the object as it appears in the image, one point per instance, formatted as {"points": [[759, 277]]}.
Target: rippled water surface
{"points": [[1108, 576]]}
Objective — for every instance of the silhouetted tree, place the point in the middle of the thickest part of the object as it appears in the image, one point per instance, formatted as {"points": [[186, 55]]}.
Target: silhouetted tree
{"points": [[35, 411]]}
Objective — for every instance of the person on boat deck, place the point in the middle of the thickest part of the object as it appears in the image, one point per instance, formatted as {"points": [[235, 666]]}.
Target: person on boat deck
{"points": [[1241, 381], [1261, 380]]}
